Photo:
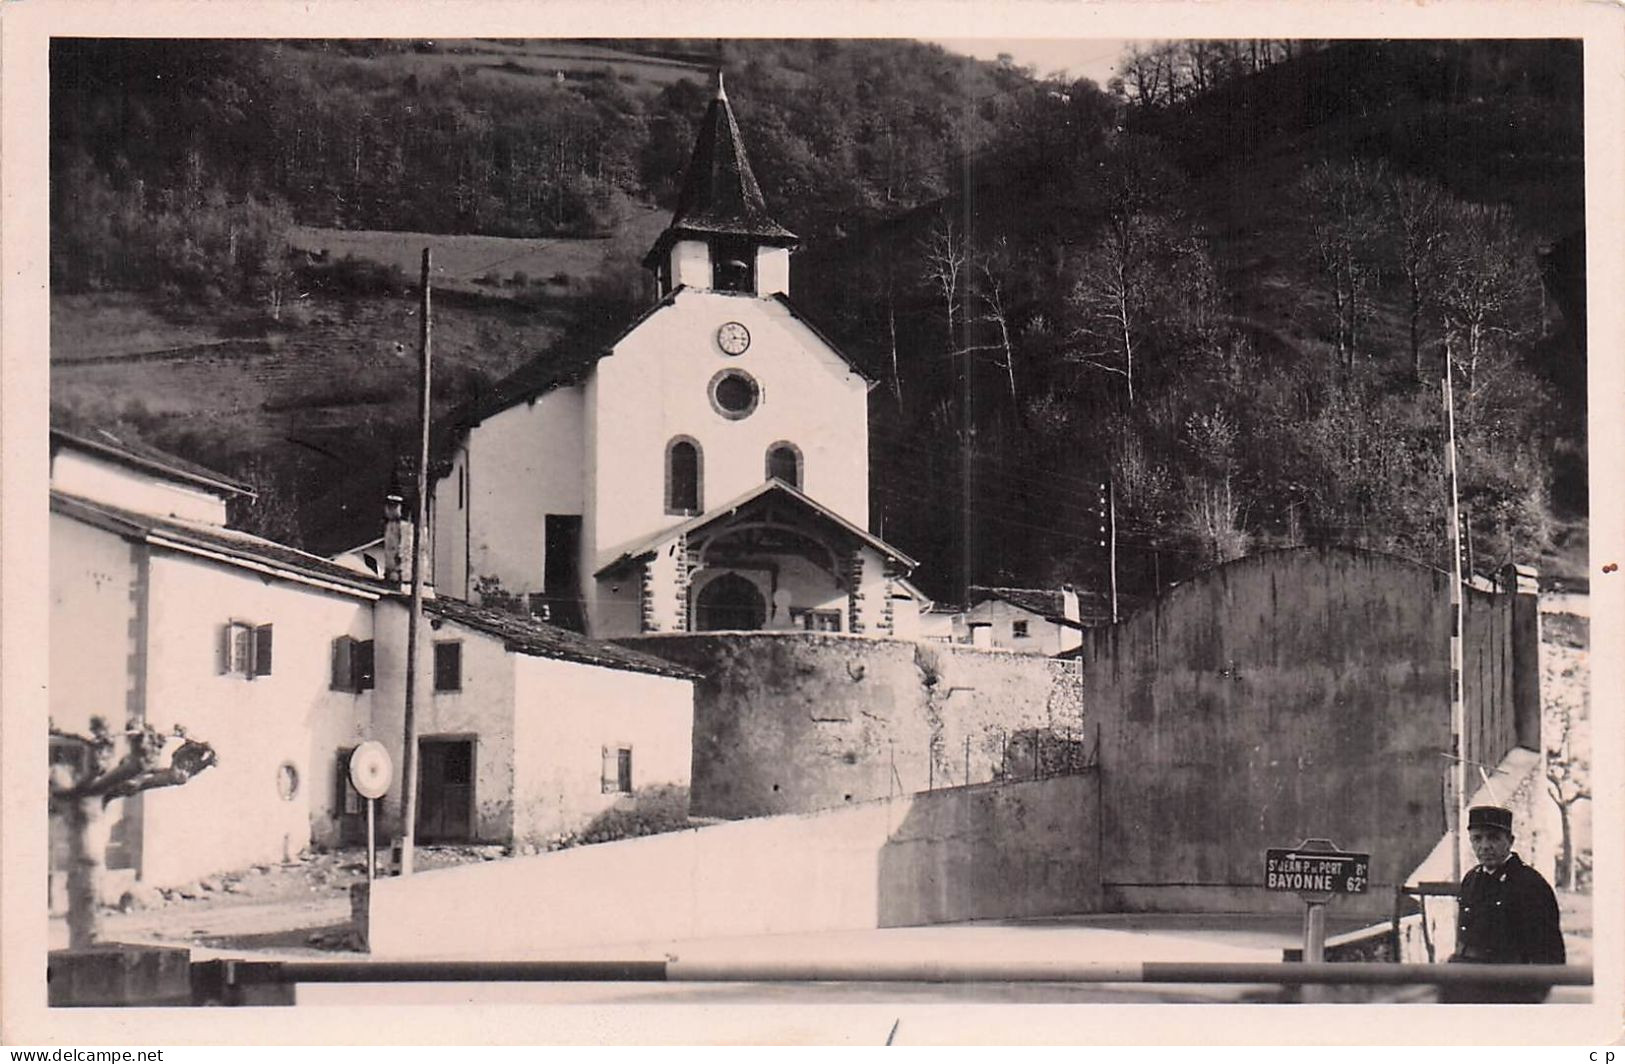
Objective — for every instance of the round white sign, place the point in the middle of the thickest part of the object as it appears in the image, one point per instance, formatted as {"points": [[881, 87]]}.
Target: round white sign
{"points": [[370, 769]]}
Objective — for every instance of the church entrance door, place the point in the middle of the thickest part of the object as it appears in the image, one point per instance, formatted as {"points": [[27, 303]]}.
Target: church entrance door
{"points": [[730, 603]]}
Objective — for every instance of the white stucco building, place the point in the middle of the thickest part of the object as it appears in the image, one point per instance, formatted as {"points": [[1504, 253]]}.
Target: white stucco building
{"points": [[706, 470], [1024, 620], [284, 662]]}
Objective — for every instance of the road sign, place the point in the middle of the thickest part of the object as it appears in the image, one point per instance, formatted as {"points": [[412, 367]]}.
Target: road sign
{"points": [[1306, 871], [370, 769], [370, 774], [1315, 870]]}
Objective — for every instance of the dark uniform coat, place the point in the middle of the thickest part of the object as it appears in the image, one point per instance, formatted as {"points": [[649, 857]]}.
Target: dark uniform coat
{"points": [[1508, 916]]}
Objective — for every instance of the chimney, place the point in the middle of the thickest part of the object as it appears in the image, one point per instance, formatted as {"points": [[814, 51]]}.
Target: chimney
{"points": [[394, 533], [1069, 603]]}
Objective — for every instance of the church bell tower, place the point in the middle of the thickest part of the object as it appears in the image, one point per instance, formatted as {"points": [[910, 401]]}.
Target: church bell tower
{"points": [[721, 238]]}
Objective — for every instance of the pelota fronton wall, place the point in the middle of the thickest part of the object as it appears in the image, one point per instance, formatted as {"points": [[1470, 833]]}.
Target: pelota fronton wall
{"points": [[793, 722], [1292, 694]]}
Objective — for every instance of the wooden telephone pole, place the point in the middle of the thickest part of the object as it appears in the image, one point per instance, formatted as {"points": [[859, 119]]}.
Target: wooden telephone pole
{"points": [[420, 525]]}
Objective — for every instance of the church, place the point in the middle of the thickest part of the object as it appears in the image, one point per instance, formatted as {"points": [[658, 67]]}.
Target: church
{"points": [[706, 470]]}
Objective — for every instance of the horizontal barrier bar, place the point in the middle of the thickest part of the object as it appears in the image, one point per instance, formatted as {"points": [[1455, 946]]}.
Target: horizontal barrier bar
{"points": [[464, 972], [1028, 970]]}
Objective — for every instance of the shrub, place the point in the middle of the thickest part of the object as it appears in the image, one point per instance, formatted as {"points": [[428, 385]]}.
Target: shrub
{"points": [[651, 811]]}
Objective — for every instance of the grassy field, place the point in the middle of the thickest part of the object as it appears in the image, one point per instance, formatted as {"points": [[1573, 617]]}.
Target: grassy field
{"points": [[532, 60], [495, 265]]}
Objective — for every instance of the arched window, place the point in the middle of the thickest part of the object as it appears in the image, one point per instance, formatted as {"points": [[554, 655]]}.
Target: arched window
{"points": [[784, 462], [684, 476], [733, 265]]}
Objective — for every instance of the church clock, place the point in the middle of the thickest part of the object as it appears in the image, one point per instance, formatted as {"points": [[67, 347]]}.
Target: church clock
{"points": [[733, 338]]}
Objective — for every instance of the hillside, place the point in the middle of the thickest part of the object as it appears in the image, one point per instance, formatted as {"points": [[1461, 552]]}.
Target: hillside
{"points": [[239, 287], [1251, 241]]}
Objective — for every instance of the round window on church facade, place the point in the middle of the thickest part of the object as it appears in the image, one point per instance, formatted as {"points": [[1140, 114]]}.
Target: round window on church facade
{"points": [[734, 393]]}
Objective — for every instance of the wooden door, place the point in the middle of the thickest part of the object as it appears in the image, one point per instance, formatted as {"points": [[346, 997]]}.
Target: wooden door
{"points": [[446, 790]]}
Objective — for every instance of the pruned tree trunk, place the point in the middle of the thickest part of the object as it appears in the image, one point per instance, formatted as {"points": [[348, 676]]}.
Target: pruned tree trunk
{"points": [[88, 827], [1565, 856], [114, 765]]}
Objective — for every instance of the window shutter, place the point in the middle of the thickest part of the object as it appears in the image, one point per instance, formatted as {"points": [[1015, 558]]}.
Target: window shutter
{"points": [[262, 650], [223, 650], [361, 659], [343, 664], [610, 772], [623, 770]]}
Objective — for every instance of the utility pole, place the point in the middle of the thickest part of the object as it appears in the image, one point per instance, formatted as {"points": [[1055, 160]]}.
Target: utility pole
{"points": [[1458, 711], [414, 622], [1111, 512], [1108, 533]]}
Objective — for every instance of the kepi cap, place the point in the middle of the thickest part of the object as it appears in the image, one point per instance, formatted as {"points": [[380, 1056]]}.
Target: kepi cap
{"points": [[1489, 816]]}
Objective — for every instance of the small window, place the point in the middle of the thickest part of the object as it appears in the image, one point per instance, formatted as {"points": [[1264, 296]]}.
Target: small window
{"points": [[361, 661], [262, 650], [352, 664], [1018, 629], [734, 394], [683, 476], [617, 770], [245, 649], [287, 781], [816, 620], [784, 463], [448, 666]]}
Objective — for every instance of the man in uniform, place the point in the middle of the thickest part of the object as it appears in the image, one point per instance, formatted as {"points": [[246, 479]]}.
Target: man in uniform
{"points": [[1507, 913]]}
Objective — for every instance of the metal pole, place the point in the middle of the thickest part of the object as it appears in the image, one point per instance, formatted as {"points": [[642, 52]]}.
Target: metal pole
{"points": [[1458, 710], [372, 847], [420, 524], [967, 760], [1314, 944], [1314, 932]]}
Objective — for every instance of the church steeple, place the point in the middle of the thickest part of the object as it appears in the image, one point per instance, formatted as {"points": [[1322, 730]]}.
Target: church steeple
{"points": [[721, 229]]}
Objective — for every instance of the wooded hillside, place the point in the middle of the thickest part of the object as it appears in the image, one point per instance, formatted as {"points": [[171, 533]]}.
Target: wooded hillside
{"points": [[1224, 286]]}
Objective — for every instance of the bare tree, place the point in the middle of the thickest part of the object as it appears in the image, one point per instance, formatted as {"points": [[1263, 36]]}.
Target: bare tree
{"points": [[1491, 291], [1568, 780], [991, 291], [944, 264], [94, 770], [1341, 202], [1421, 208], [1112, 298], [1566, 729], [1148, 77]]}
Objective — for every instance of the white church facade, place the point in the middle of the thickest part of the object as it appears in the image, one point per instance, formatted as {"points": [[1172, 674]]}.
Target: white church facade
{"points": [[707, 470]]}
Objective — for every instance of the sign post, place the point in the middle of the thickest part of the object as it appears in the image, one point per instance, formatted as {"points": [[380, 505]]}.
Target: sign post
{"points": [[370, 775], [1316, 870]]}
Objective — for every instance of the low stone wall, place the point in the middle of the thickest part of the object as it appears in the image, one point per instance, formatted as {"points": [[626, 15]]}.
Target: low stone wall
{"points": [[792, 722], [986, 852]]}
